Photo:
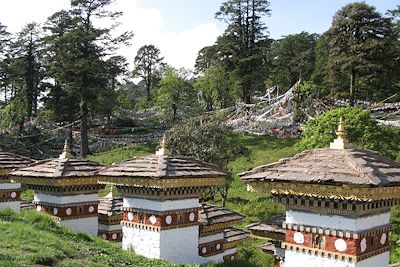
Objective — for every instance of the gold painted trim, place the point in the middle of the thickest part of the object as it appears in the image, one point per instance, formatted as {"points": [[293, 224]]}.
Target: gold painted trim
{"points": [[217, 227], [154, 228], [163, 182], [234, 244], [341, 192], [57, 182]]}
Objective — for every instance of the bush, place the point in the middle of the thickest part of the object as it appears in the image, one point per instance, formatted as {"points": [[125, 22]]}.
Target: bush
{"points": [[362, 129]]}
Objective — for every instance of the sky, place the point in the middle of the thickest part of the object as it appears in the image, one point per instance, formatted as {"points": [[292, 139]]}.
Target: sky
{"points": [[180, 28]]}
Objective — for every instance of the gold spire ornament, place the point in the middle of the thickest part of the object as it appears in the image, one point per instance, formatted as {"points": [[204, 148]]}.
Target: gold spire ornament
{"points": [[341, 141], [66, 151], [163, 149]]}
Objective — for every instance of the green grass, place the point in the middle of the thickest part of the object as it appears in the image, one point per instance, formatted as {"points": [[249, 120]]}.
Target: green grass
{"points": [[123, 153], [33, 239]]}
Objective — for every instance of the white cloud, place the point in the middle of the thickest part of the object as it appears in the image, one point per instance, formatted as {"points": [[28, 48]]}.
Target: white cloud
{"points": [[179, 48]]}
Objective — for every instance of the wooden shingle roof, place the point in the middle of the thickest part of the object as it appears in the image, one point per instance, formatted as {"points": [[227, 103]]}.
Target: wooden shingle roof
{"points": [[330, 166], [110, 205], [211, 215], [59, 168], [12, 161], [163, 166], [273, 224], [233, 235]]}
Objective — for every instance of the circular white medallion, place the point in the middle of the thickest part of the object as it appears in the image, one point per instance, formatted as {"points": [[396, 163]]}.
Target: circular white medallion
{"points": [[13, 194], [114, 236], [204, 250], [340, 245], [68, 211], [363, 244], [218, 246], [130, 216], [153, 219], [39, 208], [104, 236], [383, 239], [55, 211], [232, 258], [191, 217], [168, 219], [298, 238], [91, 209]]}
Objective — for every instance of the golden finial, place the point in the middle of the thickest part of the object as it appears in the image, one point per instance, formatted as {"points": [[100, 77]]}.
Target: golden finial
{"points": [[341, 141], [66, 151], [163, 149]]}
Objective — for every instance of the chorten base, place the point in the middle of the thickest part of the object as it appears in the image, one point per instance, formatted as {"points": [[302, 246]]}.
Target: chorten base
{"points": [[82, 225], [14, 205]]}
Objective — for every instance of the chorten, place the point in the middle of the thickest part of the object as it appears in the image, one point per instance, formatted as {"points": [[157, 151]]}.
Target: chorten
{"points": [[161, 203], [272, 231], [10, 192], [65, 188], [110, 217], [218, 238], [338, 203]]}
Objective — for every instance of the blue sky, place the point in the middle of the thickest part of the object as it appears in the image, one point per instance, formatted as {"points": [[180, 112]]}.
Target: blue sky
{"points": [[180, 28], [287, 16]]}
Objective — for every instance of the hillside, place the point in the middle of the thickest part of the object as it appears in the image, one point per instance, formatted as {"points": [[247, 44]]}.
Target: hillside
{"points": [[34, 239]]}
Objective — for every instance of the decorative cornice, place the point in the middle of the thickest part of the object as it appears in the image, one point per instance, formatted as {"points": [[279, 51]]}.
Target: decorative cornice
{"points": [[342, 192], [169, 182], [333, 255], [349, 208], [217, 227], [153, 228], [337, 233], [57, 182], [234, 244]]}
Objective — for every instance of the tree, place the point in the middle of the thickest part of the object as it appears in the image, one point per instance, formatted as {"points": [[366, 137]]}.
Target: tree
{"points": [[30, 68], [294, 58], [80, 52], [358, 40], [243, 45], [362, 130], [147, 65], [176, 95], [5, 39], [214, 88], [209, 142]]}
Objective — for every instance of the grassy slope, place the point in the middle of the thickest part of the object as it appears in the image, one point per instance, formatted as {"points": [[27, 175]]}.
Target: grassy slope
{"points": [[33, 239]]}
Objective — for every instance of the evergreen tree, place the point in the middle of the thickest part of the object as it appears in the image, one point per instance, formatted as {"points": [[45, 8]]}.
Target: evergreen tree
{"points": [[243, 45], [81, 49], [148, 63], [358, 40], [294, 58]]}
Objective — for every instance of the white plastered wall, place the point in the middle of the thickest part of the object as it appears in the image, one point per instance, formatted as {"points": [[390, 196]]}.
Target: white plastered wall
{"points": [[61, 200], [335, 221], [83, 225], [143, 242], [15, 205], [296, 259], [10, 186], [157, 205]]}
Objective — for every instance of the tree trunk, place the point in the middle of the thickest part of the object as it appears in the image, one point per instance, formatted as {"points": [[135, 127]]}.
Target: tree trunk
{"points": [[224, 195], [352, 87], [84, 126]]}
